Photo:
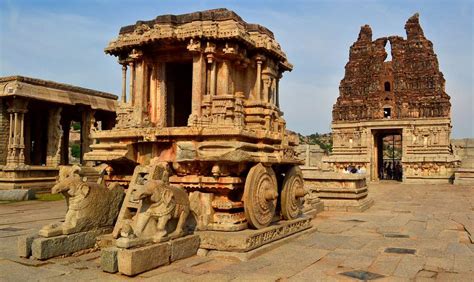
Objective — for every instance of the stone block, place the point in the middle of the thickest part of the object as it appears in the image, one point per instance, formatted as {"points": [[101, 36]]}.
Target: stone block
{"points": [[44, 248], [246, 240], [134, 261], [24, 245], [137, 260], [184, 247], [17, 195], [339, 192], [108, 260]]}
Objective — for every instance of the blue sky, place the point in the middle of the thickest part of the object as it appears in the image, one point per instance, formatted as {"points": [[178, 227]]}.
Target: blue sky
{"points": [[64, 41]]}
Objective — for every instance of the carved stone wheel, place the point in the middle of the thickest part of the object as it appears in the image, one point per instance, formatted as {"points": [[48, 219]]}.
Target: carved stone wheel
{"points": [[292, 194], [260, 196]]}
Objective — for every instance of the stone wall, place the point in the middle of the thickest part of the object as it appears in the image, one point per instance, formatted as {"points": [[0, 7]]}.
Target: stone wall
{"points": [[464, 149], [315, 155], [4, 128]]}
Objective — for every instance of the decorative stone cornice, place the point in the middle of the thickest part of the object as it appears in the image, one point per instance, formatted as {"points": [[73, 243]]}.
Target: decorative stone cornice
{"points": [[220, 24]]}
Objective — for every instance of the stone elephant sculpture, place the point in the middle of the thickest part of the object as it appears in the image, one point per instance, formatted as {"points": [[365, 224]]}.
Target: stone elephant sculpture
{"points": [[160, 203], [90, 205]]}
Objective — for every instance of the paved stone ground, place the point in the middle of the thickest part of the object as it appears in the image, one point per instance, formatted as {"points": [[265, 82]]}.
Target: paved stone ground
{"points": [[434, 221]]}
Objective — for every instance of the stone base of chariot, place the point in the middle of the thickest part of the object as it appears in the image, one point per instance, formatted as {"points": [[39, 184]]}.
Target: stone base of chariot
{"points": [[339, 192], [44, 248], [137, 260], [246, 243]]}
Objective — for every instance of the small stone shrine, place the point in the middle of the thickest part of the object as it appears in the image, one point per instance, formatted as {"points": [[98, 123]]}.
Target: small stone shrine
{"points": [[392, 118]]}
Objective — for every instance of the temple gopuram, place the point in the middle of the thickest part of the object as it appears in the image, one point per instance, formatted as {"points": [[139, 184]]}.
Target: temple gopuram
{"points": [[392, 118]]}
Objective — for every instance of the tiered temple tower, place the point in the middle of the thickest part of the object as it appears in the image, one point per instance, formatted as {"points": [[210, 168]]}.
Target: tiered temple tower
{"points": [[405, 96]]}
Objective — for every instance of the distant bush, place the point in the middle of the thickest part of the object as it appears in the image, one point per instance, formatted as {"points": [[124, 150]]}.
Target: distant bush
{"points": [[76, 150], [76, 125], [323, 140]]}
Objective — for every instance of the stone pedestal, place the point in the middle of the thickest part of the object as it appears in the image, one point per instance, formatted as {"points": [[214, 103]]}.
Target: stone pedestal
{"points": [[339, 192], [45, 248], [134, 261], [464, 176], [247, 240]]}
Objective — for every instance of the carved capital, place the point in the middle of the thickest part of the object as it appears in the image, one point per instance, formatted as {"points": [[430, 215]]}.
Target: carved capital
{"points": [[135, 54], [194, 46]]}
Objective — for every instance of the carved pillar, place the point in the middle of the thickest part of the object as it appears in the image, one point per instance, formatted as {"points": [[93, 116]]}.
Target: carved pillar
{"points": [[213, 79], [266, 88], [132, 82], [124, 83], [277, 90], [210, 51], [86, 124], [199, 83], [139, 91], [161, 95], [153, 103], [258, 88], [16, 144], [55, 133], [199, 80]]}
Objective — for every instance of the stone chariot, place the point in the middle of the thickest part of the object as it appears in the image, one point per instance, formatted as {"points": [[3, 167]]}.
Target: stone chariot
{"points": [[204, 98]]}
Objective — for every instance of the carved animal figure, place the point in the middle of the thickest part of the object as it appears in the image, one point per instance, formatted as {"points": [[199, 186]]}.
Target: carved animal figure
{"points": [[161, 202], [90, 205]]}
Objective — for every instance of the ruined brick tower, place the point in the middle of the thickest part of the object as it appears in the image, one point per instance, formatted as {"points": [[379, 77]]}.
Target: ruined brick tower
{"points": [[404, 97]]}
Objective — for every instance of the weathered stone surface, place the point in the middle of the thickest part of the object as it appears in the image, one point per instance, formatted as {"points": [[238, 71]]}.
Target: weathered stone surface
{"points": [[159, 204], [134, 261], [464, 176], [17, 195], [44, 248], [90, 205], [137, 260], [24, 245], [337, 191], [316, 253], [247, 240], [109, 260], [184, 247]]}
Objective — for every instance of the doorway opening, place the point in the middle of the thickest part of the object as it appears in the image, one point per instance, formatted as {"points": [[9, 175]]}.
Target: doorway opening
{"points": [[179, 83], [388, 155], [36, 134]]}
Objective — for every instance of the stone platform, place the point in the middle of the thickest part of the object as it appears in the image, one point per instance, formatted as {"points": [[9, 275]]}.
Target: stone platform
{"points": [[44, 248], [247, 240], [134, 261], [403, 216], [464, 176], [339, 192]]}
